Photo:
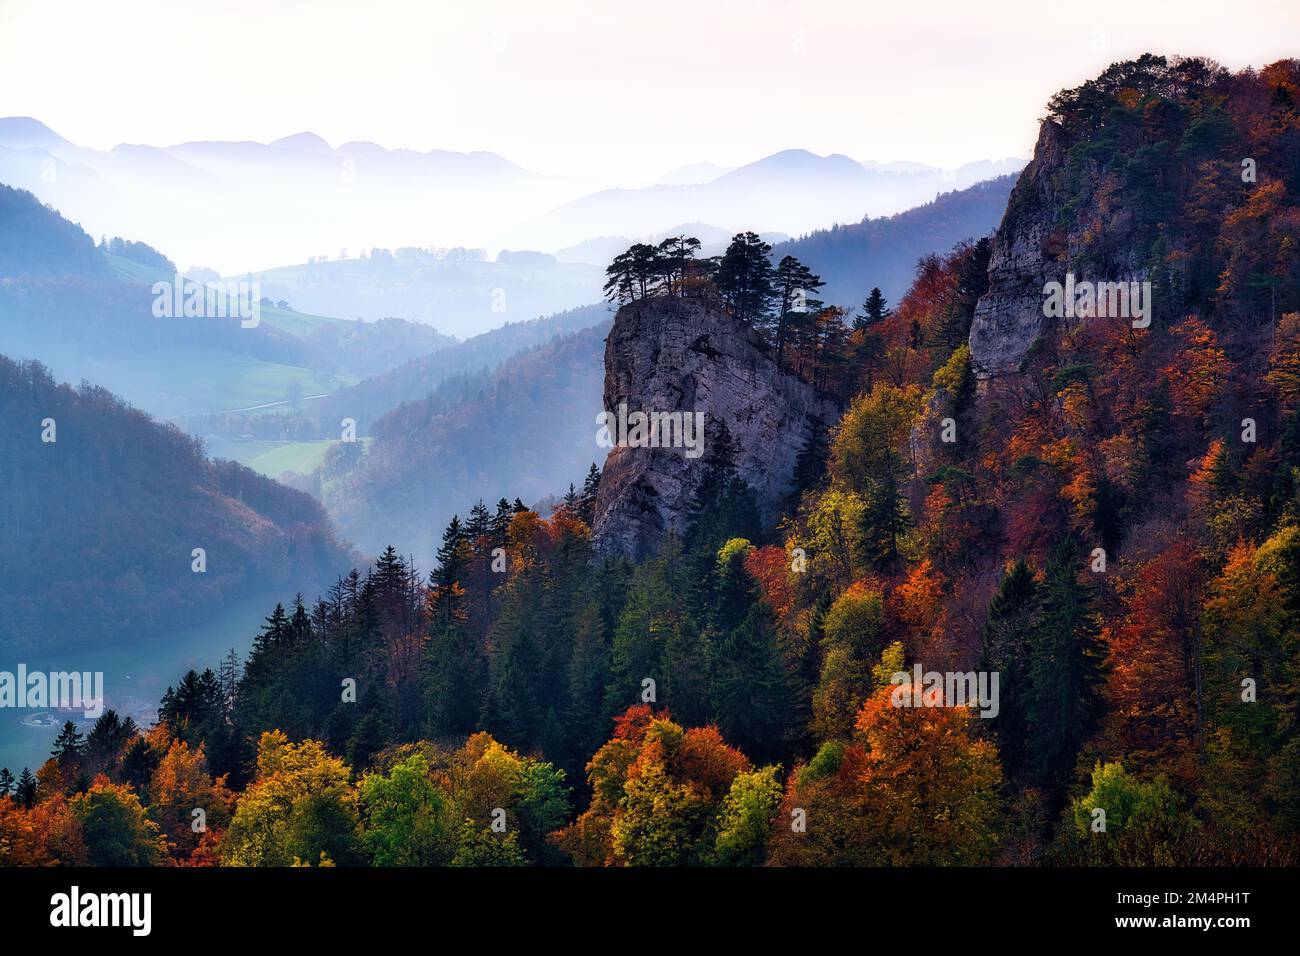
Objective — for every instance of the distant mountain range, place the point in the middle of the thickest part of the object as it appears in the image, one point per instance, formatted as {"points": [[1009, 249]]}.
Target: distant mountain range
{"points": [[793, 192], [236, 206], [240, 206]]}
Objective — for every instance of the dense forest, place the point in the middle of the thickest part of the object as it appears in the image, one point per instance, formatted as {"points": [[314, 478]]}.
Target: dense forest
{"points": [[1114, 531], [83, 518]]}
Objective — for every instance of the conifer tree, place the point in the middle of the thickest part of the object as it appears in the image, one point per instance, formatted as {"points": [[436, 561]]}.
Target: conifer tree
{"points": [[753, 693], [1065, 659], [875, 309], [68, 745], [25, 790], [793, 286], [587, 498], [1013, 615], [479, 523], [745, 277]]}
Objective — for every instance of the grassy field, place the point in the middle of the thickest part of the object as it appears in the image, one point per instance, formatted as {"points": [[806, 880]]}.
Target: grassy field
{"points": [[272, 458], [185, 381]]}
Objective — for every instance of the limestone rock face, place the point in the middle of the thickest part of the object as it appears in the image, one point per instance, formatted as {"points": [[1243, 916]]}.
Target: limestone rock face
{"points": [[1026, 254], [1045, 229], [684, 355]]}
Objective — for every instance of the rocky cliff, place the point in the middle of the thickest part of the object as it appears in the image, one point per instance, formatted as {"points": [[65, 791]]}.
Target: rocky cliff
{"points": [[684, 356], [1055, 216]]}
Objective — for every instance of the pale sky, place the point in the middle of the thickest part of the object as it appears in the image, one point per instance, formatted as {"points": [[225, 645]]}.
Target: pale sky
{"points": [[614, 89]]}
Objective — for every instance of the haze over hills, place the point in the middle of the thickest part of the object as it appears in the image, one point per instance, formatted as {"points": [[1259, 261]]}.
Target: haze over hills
{"points": [[87, 313], [241, 206], [883, 252], [460, 293], [794, 191], [79, 513], [529, 432], [214, 203]]}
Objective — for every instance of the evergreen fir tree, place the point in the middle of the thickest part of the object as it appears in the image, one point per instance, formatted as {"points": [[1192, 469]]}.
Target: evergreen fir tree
{"points": [[25, 791], [753, 692], [587, 497], [68, 745], [501, 523], [745, 277], [1065, 659], [1013, 615], [479, 524], [875, 309]]}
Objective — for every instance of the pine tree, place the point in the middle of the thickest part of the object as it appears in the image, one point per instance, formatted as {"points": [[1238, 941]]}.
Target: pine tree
{"points": [[369, 737], [875, 309], [25, 791], [587, 498], [501, 523], [275, 631], [452, 558], [105, 741], [6, 782], [1065, 658], [954, 321], [589, 668], [745, 277], [454, 668], [1013, 615], [809, 465], [793, 285], [479, 524], [753, 692], [68, 745], [675, 255], [300, 630]]}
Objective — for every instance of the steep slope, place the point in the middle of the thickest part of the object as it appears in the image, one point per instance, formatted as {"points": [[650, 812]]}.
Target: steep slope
{"points": [[114, 506], [668, 355], [529, 433], [1168, 172]]}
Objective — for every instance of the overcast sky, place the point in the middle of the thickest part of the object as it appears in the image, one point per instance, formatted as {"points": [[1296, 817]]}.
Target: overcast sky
{"points": [[616, 89]]}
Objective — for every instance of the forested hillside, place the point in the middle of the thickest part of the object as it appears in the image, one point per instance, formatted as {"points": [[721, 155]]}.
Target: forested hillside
{"points": [[87, 312], [525, 429], [79, 518], [1103, 534]]}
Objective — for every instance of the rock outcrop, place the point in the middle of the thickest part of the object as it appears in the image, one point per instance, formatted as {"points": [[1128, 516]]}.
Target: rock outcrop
{"points": [[1026, 254], [1053, 215], [683, 355]]}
